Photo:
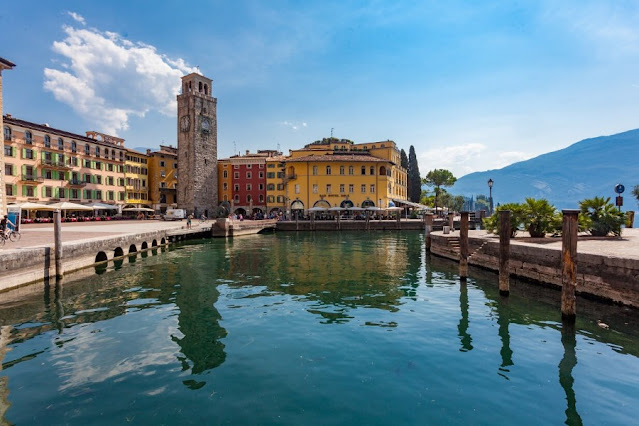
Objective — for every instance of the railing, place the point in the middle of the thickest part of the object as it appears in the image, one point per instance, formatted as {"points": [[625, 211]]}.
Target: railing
{"points": [[31, 178], [76, 182], [52, 163]]}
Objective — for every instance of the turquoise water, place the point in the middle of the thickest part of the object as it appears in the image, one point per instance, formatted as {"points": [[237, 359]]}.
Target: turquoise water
{"points": [[334, 328]]}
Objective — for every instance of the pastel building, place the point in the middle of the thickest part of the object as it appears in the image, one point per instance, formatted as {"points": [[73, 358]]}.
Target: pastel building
{"points": [[136, 176], [4, 65], [163, 174], [44, 164]]}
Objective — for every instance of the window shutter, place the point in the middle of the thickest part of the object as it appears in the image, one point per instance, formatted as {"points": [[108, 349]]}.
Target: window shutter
{"points": [[42, 155], [24, 190], [42, 189], [55, 158], [15, 190], [56, 192], [24, 172], [24, 153], [14, 170]]}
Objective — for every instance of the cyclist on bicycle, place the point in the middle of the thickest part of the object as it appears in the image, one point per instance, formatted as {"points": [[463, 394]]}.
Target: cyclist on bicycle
{"points": [[3, 225]]}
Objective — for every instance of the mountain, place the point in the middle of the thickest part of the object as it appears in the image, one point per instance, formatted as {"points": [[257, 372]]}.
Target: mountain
{"points": [[591, 167]]}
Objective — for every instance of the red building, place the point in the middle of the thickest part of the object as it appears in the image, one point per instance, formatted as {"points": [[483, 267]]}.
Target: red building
{"points": [[242, 181]]}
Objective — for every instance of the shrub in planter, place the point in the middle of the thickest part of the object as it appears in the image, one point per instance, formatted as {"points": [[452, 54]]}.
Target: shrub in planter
{"points": [[516, 219], [600, 217], [541, 218]]}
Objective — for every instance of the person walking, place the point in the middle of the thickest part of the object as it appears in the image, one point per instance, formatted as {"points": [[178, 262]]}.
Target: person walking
{"points": [[188, 221]]}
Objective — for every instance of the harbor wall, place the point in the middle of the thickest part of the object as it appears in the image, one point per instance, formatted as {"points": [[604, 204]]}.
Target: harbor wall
{"points": [[605, 277]]}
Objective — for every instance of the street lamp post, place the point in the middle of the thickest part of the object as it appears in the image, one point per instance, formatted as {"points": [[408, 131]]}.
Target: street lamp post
{"points": [[490, 197]]}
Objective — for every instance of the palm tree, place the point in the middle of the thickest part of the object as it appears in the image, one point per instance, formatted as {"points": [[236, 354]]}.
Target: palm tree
{"points": [[601, 217], [540, 217]]}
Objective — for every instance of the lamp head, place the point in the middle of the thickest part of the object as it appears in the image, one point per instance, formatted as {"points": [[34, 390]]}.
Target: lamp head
{"points": [[490, 183]]}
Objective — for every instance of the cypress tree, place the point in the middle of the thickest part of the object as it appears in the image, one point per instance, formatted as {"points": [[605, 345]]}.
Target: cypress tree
{"points": [[414, 179]]}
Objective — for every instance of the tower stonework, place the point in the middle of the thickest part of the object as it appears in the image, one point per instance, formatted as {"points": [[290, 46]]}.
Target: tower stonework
{"points": [[197, 146]]}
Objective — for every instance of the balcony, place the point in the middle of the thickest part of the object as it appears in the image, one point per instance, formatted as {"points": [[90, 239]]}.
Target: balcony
{"points": [[288, 178], [30, 177], [76, 183], [55, 164], [167, 189]]}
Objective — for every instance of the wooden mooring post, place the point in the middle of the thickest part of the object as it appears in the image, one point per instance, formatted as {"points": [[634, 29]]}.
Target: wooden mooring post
{"points": [[463, 246], [57, 238], [450, 221], [569, 264], [428, 229], [504, 252]]}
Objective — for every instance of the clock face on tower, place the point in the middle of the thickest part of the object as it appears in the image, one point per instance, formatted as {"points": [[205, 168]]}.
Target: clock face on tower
{"points": [[206, 125], [185, 123]]}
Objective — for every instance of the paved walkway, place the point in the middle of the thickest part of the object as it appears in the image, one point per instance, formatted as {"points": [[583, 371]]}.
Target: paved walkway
{"points": [[41, 234]]}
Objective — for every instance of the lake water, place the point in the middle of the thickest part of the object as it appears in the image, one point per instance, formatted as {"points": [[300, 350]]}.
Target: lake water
{"points": [[311, 328]]}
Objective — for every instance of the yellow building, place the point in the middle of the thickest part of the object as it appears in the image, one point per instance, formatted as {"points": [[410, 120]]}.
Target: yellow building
{"points": [[136, 174], [275, 184], [43, 164], [162, 168], [340, 173]]}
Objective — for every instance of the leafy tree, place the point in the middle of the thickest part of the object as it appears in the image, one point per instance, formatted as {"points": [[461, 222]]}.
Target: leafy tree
{"points": [[403, 159], [541, 217], [414, 179], [635, 192], [439, 178], [516, 218], [601, 217]]}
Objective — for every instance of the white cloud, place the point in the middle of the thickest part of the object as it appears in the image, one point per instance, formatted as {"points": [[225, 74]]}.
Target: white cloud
{"points": [[77, 17], [293, 125], [106, 78]]}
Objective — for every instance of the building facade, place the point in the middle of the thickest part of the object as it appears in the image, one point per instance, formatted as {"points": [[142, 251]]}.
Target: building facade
{"points": [[4, 65], [44, 164], [197, 146], [136, 175], [163, 174], [340, 173], [242, 181]]}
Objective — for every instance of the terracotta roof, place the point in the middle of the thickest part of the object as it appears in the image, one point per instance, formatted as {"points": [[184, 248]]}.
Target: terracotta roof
{"points": [[7, 64], [47, 129], [359, 158]]}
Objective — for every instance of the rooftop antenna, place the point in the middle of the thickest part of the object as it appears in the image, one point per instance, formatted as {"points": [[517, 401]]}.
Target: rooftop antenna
{"points": [[332, 132]]}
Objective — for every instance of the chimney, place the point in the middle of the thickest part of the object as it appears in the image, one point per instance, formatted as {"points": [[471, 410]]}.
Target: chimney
{"points": [[248, 152]]}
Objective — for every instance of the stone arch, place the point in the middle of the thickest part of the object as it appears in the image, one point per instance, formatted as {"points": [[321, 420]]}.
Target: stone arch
{"points": [[199, 87], [346, 204], [382, 171], [297, 205], [154, 243], [118, 252], [368, 203], [206, 89], [132, 249], [101, 257], [144, 246], [163, 241], [322, 203]]}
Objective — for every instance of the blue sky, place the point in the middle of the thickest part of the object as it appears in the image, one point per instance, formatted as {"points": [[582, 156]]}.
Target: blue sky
{"points": [[471, 85]]}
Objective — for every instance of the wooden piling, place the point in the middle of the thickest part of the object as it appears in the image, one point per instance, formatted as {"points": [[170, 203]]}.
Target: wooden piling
{"points": [[504, 252], [569, 264], [450, 221], [57, 237], [428, 228], [463, 246]]}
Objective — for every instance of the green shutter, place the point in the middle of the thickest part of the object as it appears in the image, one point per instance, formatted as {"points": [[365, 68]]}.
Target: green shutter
{"points": [[55, 175], [56, 192], [13, 151], [24, 153], [24, 190], [14, 170], [15, 190], [24, 171], [42, 190], [42, 155]]}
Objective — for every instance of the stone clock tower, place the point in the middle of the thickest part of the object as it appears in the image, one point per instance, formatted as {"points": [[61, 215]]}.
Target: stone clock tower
{"points": [[197, 147]]}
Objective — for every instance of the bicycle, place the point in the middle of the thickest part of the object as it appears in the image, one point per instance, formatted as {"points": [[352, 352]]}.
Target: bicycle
{"points": [[14, 236], [203, 219]]}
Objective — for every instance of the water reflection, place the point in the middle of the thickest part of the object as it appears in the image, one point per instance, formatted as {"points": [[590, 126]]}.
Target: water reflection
{"points": [[566, 365], [503, 319], [462, 327]]}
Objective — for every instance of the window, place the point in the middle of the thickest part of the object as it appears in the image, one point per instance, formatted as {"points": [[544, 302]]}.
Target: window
{"points": [[112, 154], [161, 163], [110, 180], [280, 175], [351, 188], [328, 188], [236, 187], [8, 190], [248, 198], [121, 156], [162, 174], [351, 170], [48, 174], [74, 146], [249, 187], [28, 138], [8, 152], [47, 141], [372, 188], [236, 166], [280, 186], [175, 165], [261, 175], [261, 166], [270, 187], [225, 174], [7, 133], [372, 170], [87, 149], [225, 186], [98, 179], [74, 161], [271, 166], [280, 198], [8, 169], [236, 175], [30, 191], [314, 170], [260, 187], [297, 188], [248, 166], [97, 151], [341, 170], [249, 175], [328, 170], [363, 188], [28, 153], [60, 144], [363, 170], [237, 198], [270, 175], [341, 188], [315, 188], [48, 191]]}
